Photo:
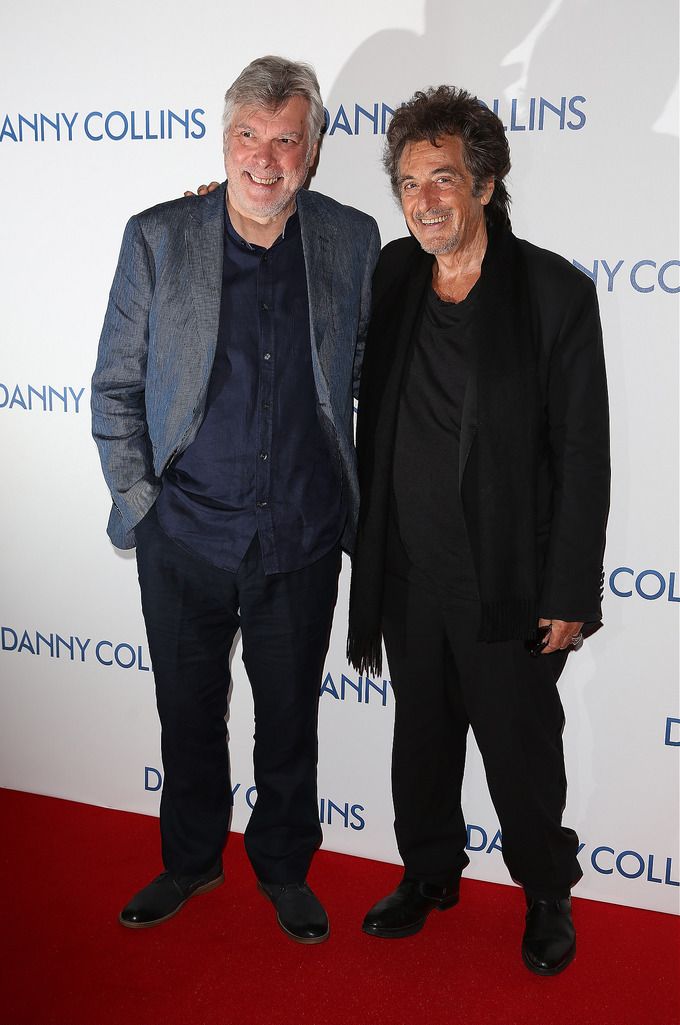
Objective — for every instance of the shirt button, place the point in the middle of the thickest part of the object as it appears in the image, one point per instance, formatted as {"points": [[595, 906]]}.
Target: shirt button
{"points": [[264, 456], [261, 505], [266, 405], [265, 306], [267, 355]]}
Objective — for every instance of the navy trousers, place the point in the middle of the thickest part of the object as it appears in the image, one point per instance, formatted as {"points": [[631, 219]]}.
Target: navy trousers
{"points": [[192, 612]]}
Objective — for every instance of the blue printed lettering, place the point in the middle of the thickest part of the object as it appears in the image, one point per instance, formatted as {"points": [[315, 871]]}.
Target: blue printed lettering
{"points": [[469, 846], [671, 726], [152, 778]]}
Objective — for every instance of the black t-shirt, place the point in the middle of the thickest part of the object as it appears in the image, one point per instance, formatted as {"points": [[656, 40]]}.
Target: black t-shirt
{"points": [[427, 540]]}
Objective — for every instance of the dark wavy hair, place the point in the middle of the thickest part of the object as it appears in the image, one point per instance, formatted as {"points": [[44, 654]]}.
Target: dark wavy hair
{"points": [[446, 110]]}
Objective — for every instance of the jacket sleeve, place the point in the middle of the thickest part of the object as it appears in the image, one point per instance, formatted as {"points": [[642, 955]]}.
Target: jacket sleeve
{"points": [[371, 258], [119, 422], [578, 436]]}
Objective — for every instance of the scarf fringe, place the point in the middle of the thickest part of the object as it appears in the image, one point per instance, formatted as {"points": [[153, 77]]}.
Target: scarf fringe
{"points": [[365, 655]]}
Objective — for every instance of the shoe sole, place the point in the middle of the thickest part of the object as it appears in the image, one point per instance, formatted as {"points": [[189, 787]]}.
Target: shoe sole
{"points": [[547, 972], [408, 930], [303, 939], [204, 888]]}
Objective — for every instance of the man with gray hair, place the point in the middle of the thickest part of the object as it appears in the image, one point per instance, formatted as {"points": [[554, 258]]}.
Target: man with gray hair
{"points": [[222, 409]]}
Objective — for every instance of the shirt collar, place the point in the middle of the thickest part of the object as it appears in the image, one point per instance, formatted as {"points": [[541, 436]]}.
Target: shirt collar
{"points": [[290, 229]]}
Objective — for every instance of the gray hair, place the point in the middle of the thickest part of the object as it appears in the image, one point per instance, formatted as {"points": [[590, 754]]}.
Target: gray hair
{"points": [[272, 81]]}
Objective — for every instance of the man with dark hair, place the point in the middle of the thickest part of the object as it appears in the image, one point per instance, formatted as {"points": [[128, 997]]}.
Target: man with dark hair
{"points": [[484, 476], [222, 408]]}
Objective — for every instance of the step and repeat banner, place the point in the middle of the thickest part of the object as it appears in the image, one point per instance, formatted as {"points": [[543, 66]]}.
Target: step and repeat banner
{"points": [[108, 109]]}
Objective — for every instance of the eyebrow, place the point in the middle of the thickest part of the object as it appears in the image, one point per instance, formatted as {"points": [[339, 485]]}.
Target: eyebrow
{"points": [[292, 134], [448, 169]]}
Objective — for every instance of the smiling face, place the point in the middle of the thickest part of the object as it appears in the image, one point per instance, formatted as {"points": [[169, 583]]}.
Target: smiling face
{"points": [[267, 156], [437, 196]]}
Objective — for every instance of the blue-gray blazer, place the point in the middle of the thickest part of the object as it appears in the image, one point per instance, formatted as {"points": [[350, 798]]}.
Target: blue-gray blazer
{"points": [[158, 342]]}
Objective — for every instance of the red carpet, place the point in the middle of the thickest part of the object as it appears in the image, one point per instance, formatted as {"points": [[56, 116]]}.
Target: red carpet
{"points": [[67, 869]]}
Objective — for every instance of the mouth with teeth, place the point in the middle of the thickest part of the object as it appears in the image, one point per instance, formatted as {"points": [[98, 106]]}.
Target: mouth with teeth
{"points": [[433, 219], [263, 181]]}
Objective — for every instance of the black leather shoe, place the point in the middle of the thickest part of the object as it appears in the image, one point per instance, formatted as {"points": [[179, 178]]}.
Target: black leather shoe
{"points": [[549, 943], [403, 912], [163, 898], [298, 911]]}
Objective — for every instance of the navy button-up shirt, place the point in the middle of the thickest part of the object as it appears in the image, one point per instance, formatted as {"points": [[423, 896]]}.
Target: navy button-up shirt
{"points": [[260, 462]]}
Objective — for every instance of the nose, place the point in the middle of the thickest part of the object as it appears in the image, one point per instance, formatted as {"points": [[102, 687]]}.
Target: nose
{"points": [[428, 197], [264, 154]]}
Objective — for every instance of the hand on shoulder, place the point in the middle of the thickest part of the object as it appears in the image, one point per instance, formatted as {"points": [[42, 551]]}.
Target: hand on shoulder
{"points": [[203, 190]]}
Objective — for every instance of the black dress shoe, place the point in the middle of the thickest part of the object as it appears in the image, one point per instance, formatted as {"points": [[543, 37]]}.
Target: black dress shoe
{"points": [[549, 943], [298, 912], [163, 898], [403, 912]]}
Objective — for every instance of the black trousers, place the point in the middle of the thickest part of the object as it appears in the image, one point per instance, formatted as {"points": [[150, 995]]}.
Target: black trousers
{"points": [[445, 682], [192, 612]]}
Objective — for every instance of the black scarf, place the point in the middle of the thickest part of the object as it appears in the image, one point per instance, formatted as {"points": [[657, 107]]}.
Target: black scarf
{"points": [[499, 445]]}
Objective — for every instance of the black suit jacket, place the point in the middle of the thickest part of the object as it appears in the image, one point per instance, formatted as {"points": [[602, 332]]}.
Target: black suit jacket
{"points": [[571, 476]]}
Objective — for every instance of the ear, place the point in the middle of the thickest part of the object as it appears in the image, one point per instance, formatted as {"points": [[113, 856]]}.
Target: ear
{"points": [[312, 154], [487, 191]]}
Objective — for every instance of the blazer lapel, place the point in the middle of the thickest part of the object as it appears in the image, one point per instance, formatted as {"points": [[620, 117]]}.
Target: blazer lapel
{"points": [[468, 420], [204, 239], [318, 248]]}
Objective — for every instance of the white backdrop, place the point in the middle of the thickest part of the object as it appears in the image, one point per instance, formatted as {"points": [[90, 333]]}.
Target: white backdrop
{"points": [[92, 92]]}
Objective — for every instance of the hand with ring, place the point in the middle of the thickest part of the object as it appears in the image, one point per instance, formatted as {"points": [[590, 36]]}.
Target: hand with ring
{"points": [[562, 635]]}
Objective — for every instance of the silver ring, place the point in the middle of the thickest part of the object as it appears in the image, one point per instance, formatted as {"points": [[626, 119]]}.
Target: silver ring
{"points": [[577, 640]]}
